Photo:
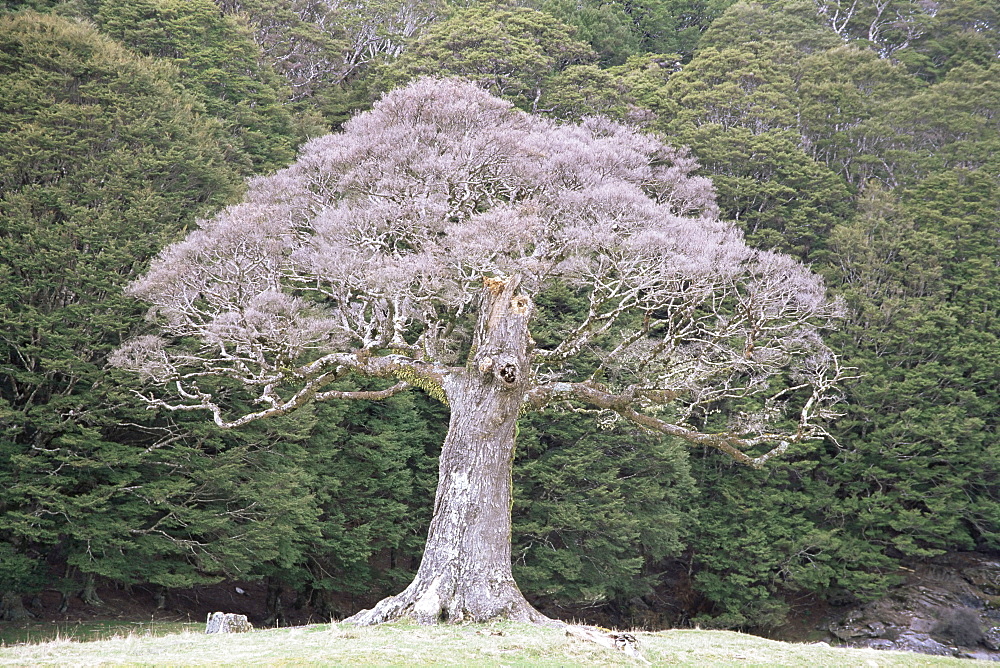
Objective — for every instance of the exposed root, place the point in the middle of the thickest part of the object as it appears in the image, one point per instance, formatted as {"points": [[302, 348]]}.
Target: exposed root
{"points": [[437, 603]]}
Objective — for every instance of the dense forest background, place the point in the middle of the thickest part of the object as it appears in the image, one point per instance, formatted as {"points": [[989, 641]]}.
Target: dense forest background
{"points": [[862, 136]]}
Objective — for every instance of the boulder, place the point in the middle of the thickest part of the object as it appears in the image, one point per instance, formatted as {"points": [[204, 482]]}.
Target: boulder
{"points": [[924, 644], [226, 622], [947, 606]]}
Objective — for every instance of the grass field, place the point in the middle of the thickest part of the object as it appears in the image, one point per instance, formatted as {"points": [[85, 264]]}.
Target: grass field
{"points": [[504, 644], [39, 632]]}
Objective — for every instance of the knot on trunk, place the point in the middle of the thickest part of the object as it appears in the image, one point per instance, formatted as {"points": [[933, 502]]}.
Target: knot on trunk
{"points": [[506, 371], [508, 374], [520, 305]]}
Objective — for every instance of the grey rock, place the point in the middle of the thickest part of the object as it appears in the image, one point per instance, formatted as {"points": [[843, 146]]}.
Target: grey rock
{"points": [[991, 639], [924, 644], [945, 602], [876, 629], [225, 622]]}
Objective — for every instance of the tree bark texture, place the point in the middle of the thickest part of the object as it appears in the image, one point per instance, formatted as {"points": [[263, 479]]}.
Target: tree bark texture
{"points": [[465, 573]]}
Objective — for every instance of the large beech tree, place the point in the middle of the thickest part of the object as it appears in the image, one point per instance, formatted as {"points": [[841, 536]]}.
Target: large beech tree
{"points": [[411, 248]]}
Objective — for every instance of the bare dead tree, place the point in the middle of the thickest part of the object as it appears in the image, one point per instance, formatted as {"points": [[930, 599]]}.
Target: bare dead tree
{"points": [[412, 247], [319, 43]]}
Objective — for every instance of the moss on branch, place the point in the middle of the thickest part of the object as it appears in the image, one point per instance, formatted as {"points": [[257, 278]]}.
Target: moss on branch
{"points": [[429, 385]]}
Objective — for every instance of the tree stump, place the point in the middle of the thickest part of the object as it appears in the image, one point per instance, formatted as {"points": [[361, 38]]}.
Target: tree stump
{"points": [[226, 622]]}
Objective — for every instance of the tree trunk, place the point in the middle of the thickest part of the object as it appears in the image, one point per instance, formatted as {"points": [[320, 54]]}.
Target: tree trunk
{"points": [[89, 593], [12, 608], [160, 596], [465, 573], [273, 604]]}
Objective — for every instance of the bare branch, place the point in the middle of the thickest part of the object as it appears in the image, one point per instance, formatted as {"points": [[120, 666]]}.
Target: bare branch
{"points": [[816, 408], [309, 378], [368, 256]]}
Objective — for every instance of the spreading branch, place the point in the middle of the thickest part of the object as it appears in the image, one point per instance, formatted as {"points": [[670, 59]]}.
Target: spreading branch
{"points": [[820, 391], [367, 257]]}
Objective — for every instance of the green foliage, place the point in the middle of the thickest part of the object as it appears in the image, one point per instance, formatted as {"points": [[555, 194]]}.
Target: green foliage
{"points": [[845, 94], [606, 26], [219, 64], [595, 509], [512, 52], [763, 534], [928, 38], [19, 571], [630, 93], [747, 85], [325, 51], [737, 108], [102, 160], [949, 125], [372, 470], [958, 33], [884, 27], [781, 198], [675, 26], [585, 90], [918, 465], [791, 22], [35, 5], [620, 30], [190, 509]]}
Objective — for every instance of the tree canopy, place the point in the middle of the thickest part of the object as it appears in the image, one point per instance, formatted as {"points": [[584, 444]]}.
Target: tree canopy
{"points": [[413, 246], [104, 160], [380, 239]]}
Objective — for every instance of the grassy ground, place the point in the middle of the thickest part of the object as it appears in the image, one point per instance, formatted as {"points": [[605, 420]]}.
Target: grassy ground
{"points": [[40, 632], [503, 644]]}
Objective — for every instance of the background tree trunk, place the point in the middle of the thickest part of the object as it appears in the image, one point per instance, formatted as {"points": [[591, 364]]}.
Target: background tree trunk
{"points": [[12, 608], [89, 592]]}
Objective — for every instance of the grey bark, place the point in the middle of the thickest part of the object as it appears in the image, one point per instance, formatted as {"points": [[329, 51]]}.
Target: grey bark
{"points": [[465, 573]]}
